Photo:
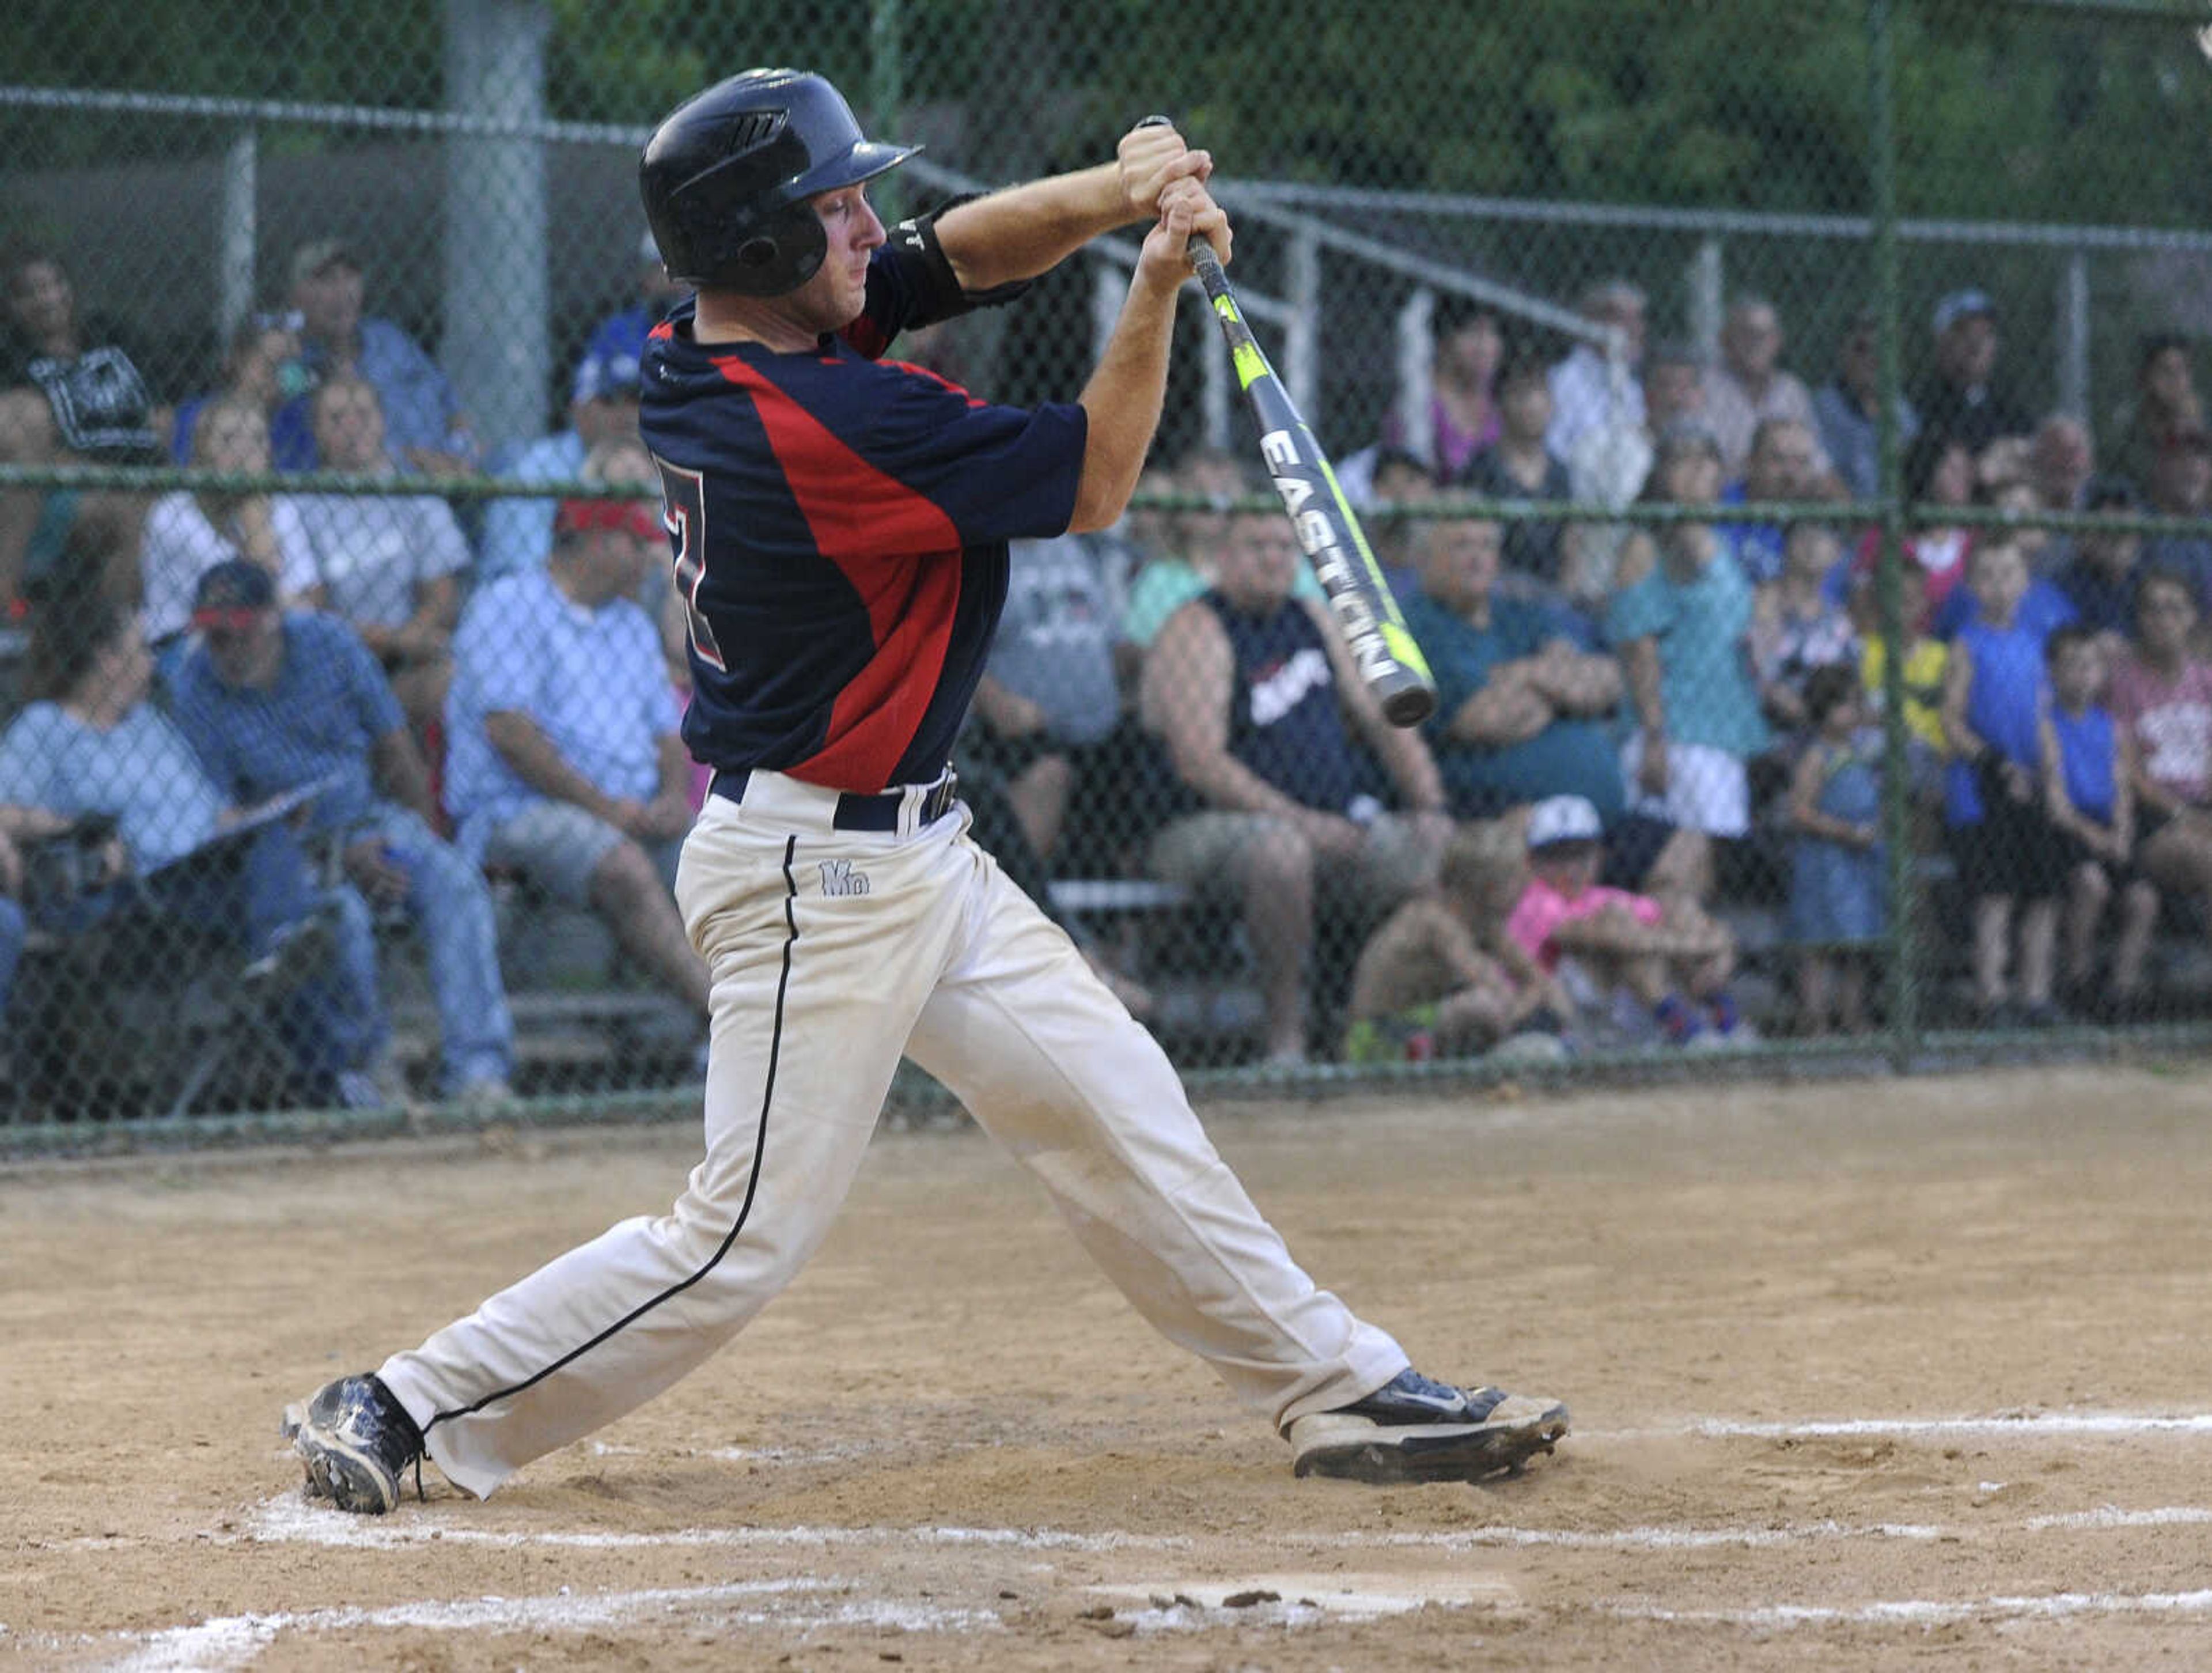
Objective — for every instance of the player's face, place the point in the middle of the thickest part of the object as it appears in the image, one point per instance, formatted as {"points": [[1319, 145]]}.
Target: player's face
{"points": [[834, 297]]}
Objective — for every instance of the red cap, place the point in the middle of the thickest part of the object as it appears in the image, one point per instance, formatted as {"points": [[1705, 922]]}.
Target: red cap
{"points": [[636, 517]]}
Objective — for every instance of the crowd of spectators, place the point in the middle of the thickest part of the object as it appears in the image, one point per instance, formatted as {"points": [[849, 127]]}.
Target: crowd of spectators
{"points": [[1641, 723]]}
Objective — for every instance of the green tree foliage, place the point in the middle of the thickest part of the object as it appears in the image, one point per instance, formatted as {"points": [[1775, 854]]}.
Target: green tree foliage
{"points": [[2005, 108]]}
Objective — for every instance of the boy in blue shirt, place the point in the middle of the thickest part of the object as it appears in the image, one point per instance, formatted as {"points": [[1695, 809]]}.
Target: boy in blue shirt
{"points": [[2088, 787]]}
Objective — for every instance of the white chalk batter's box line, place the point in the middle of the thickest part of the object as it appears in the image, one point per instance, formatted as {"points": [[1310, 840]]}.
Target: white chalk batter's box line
{"points": [[293, 1519], [1929, 1612], [2009, 1426]]}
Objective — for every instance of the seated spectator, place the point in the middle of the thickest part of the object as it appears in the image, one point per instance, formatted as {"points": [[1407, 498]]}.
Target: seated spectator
{"points": [[423, 423], [2161, 695], [1463, 418], [1784, 464], [2060, 462], [518, 533], [2166, 404], [261, 367], [1848, 409], [1750, 389], [2088, 768], [619, 338], [2046, 606], [72, 390], [1673, 959], [1926, 661], [188, 533], [1181, 567], [2099, 582], [1797, 627], [1251, 691], [388, 565], [1176, 567], [1681, 621], [17, 825], [1994, 692], [1442, 978], [1837, 886], [1518, 466], [1611, 466], [91, 744], [275, 702], [1938, 471], [1522, 713], [2181, 486], [1395, 480], [1584, 395], [562, 758], [1961, 394], [1046, 720]]}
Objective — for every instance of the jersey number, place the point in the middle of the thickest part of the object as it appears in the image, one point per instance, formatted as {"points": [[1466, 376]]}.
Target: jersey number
{"points": [[684, 504]]}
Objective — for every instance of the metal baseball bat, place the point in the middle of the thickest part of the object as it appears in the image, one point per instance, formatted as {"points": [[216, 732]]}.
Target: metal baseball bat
{"points": [[1390, 664]]}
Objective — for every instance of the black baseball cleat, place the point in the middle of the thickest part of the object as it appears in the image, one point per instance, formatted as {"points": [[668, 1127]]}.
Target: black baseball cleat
{"points": [[1414, 1429], [357, 1440]]}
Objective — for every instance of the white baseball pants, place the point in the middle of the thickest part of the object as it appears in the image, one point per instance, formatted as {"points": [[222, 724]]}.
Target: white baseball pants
{"points": [[832, 953]]}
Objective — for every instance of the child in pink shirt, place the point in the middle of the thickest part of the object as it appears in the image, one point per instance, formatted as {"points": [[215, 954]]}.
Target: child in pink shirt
{"points": [[1672, 957]]}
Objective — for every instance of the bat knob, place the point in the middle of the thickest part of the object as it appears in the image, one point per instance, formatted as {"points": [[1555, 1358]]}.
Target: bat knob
{"points": [[1156, 120]]}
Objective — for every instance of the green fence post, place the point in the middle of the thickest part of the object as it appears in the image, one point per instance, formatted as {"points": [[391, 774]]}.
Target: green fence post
{"points": [[1896, 782]]}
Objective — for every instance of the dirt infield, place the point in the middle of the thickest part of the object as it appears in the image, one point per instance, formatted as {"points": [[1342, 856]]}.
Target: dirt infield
{"points": [[1870, 1374]]}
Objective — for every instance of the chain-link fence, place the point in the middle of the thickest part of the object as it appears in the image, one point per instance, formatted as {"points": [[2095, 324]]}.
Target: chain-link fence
{"points": [[1781, 424]]}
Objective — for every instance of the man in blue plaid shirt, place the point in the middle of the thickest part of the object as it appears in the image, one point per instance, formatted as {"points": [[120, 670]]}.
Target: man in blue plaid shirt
{"points": [[272, 702]]}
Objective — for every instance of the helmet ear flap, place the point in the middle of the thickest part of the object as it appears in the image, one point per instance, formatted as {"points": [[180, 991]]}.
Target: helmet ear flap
{"points": [[780, 255]]}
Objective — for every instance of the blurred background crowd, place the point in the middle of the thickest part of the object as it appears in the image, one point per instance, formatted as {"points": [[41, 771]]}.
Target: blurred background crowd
{"points": [[370, 789]]}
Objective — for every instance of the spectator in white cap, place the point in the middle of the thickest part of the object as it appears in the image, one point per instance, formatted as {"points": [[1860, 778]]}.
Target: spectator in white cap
{"points": [[1672, 959], [1961, 396], [603, 409]]}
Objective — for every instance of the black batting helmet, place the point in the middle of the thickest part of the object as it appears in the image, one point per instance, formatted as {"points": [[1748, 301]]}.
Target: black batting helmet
{"points": [[726, 175]]}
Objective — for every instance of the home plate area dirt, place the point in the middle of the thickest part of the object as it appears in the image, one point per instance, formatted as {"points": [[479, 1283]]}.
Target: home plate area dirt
{"points": [[1868, 1374]]}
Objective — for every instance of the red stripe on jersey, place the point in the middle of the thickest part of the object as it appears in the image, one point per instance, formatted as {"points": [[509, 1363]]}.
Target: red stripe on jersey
{"points": [[934, 377], [900, 552]]}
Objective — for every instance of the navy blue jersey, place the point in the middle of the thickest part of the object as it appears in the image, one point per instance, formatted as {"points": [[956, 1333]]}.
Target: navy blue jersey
{"points": [[1284, 721], [840, 524]]}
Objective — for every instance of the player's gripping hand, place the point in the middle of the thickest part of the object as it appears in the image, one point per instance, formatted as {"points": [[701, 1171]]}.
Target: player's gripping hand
{"points": [[1187, 210], [1150, 158]]}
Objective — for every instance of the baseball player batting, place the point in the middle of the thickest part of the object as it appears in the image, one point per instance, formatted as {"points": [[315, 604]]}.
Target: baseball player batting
{"points": [[840, 523]]}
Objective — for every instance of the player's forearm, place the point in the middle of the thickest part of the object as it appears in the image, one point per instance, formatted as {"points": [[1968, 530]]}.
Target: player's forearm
{"points": [[1026, 230], [1122, 404]]}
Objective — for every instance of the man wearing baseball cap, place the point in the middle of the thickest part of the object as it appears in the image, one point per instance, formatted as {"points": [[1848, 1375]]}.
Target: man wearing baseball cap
{"points": [[1959, 396], [423, 422], [562, 758], [272, 702]]}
